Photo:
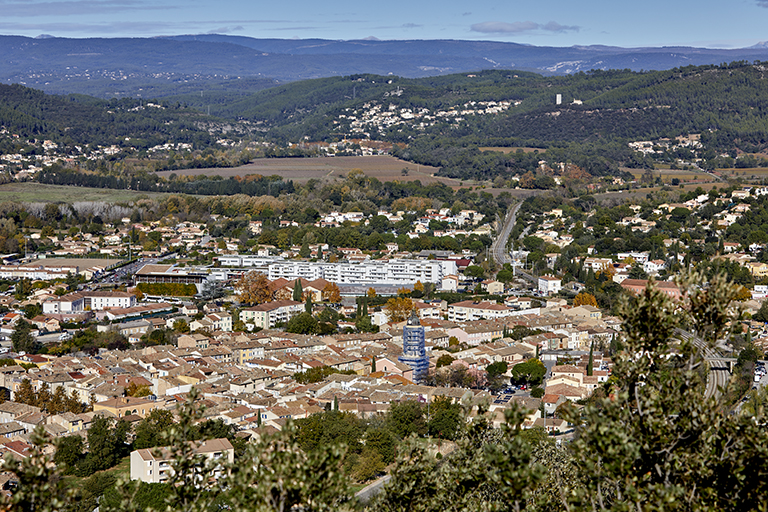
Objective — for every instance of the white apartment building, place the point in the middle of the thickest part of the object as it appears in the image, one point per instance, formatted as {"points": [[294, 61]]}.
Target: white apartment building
{"points": [[468, 311], [155, 469], [549, 285], [88, 301], [393, 272], [269, 314]]}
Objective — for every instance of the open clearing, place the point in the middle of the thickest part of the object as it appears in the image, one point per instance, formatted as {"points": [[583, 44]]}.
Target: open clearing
{"points": [[383, 168], [37, 192]]}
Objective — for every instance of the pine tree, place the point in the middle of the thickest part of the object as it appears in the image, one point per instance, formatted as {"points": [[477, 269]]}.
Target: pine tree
{"points": [[297, 291], [44, 397], [25, 394]]}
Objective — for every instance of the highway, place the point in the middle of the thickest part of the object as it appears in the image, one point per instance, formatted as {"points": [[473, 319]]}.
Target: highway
{"points": [[718, 375], [499, 246]]}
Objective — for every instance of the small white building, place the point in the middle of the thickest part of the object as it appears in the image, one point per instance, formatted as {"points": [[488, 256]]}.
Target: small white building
{"points": [[549, 285], [155, 469]]}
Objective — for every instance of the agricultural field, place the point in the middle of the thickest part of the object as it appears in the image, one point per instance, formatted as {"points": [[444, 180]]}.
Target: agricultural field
{"points": [[40, 193], [383, 168]]}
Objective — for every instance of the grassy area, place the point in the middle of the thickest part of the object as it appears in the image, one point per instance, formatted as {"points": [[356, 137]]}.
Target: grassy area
{"points": [[37, 192], [123, 469]]}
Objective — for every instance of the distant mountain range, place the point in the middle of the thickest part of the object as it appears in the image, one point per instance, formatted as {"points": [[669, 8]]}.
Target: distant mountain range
{"points": [[163, 66]]}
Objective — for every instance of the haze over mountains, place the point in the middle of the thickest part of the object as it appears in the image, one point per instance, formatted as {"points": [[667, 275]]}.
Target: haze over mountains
{"points": [[162, 66]]}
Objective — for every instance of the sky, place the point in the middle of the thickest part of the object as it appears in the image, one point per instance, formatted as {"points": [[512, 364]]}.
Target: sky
{"points": [[701, 23]]}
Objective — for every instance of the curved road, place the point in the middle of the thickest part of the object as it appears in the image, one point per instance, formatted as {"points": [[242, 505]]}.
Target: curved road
{"points": [[718, 375], [499, 246]]}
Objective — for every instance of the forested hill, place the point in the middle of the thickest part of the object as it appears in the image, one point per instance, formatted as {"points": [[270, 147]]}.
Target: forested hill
{"points": [[83, 120], [730, 99]]}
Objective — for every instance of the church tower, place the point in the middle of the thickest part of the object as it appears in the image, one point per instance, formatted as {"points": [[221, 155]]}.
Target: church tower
{"points": [[414, 353]]}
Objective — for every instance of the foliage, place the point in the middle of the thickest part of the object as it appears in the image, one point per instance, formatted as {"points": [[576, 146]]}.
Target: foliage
{"points": [[444, 360], [253, 288], [150, 430], [317, 374], [585, 299], [398, 309], [22, 339], [303, 323], [657, 427], [529, 372], [167, 289]]}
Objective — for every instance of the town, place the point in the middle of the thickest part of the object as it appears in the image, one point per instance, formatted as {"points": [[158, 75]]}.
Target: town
{"points": [[122, 321]]}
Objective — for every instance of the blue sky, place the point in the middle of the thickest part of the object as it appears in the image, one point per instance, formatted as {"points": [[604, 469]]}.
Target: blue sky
{"points": [[707, 23]]}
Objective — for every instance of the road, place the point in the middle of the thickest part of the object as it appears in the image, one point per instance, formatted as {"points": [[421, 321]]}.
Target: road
{"points": [[718, 375], [366, 493], [499, 246]]}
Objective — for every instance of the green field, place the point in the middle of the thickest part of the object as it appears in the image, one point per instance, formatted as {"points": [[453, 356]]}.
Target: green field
{"points": [[37, 192]]}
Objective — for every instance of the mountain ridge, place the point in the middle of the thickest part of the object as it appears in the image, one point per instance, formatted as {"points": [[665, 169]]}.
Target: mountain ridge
{"points": [[126, 67]]}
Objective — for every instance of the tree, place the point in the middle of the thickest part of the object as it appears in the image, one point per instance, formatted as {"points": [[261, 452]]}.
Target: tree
{"points": [[303, 323], [398, 309], [591, 361], [475, 271], [69, 451], [406, 418], [585, 299], [106, 444], [762, 313], [444, 360], [496, 369], [137, 390], [22, 338], [445, 416], [666, 439], [308, 304], [181, 326], [253, 288], [305, 251], [331, 293], [149, 431], [530, 372], [371, 293], [25, 394], [298, 293]]}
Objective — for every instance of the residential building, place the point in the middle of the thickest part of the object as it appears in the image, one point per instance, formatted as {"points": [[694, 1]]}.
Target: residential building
{"points": [[153, 466], [269, 314], [549, 285]]}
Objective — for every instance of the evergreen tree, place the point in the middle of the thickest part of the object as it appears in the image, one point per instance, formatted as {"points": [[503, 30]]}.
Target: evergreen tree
{"points": [[308, 304], [590, 363], [297, 291], [22, 338], [25, 394], [373, 364], [44, 397]]}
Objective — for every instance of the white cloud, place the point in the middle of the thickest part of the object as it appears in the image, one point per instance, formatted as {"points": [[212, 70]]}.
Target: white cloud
{"points": [[520, 27], [500, 27]]}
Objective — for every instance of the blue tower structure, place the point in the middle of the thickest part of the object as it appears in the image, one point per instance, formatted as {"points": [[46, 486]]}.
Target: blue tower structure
{"points": [[414, 353]]}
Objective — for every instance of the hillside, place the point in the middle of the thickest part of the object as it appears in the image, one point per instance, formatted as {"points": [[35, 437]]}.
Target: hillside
{"points": [[438, 121], [83, 120]]}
